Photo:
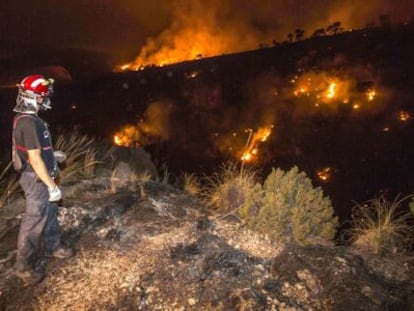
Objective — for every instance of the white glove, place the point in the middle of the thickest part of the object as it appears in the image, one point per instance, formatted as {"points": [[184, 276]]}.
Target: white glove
{"points": [[60, 156], [55, 194]]}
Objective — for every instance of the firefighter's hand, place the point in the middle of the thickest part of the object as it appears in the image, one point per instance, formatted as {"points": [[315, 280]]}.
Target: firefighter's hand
{"points": [[60, 156], [55, 194]]}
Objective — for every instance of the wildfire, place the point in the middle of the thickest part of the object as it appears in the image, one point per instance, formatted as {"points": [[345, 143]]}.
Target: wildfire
{"points": [[127, 136], [251, 150], [330, 93], [322, 87], [371, 94], [404, 116], [324, 174]]}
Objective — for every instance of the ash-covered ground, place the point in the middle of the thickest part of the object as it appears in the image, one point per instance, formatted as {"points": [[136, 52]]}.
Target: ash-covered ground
{"points": [[153, 246]]}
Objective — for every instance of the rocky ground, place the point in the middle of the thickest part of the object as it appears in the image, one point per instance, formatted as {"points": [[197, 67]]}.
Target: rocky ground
{"points": [[154, 247]]}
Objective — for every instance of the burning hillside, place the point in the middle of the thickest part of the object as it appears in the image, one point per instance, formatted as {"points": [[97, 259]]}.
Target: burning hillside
{"points": [[321, 92], [204, 29]]}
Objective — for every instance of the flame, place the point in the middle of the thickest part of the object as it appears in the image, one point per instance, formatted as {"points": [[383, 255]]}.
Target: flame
{"points": [[321, 86], [173, 46], [192, 74], [251, 150], [127, 136], [330, 93], [404, 116], [371, 94], [331, 90], [324, 174]]}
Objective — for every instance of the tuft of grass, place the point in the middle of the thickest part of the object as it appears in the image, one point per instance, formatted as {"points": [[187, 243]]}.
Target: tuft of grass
{"points": [[143, 178], [8, 184], [80, 155], [166, 175], [226, 190], [380, 227], [191, 184]]}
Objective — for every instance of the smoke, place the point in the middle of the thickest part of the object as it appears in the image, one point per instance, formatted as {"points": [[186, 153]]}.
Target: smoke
{"points": [[215, 27], [154, 126], [206, 27]]}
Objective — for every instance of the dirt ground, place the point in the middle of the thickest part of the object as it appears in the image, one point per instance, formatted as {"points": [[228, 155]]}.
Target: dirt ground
{"points": [[161, 249]]}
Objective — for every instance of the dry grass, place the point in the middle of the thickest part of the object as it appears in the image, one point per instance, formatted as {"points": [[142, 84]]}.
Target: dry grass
{"points": [[380, 228], [8, 184], [80, 155], [166, 176], [191, 184], [143, 178], [226, 189]]}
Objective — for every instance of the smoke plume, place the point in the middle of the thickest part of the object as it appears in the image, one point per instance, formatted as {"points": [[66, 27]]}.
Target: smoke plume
{"points": [[215, 27]]}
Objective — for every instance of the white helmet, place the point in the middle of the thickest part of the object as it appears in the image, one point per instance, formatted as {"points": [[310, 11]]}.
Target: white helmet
{"points": [[34, 94]]}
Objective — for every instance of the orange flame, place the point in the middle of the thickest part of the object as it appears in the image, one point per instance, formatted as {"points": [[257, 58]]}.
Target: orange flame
{"points": [[324, 174], [371, 94], [330, 93], [127, 136], [251, 150], [404, 116]]}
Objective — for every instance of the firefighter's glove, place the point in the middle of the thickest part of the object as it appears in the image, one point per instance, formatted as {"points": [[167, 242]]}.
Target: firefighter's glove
{"points": [[60, 156], [55, 194]]}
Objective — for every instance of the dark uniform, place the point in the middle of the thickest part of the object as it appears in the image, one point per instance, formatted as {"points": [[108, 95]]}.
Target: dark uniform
{"points": [[39, 223]]}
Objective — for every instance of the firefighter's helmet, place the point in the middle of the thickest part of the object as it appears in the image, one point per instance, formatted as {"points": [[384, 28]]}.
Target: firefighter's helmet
{"points": [[34, 94]]}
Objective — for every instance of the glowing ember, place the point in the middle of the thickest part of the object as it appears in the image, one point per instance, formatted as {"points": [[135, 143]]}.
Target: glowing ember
{"points": [[193, 74], [324, 174], [404, 116], [330, 93], [246, 157], [371, 94]]}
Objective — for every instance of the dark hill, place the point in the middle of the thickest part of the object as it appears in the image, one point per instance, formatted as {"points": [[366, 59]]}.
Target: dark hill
{"points": [[369, 151]]}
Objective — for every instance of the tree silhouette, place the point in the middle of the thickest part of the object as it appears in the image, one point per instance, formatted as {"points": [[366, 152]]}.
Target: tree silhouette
{"points": [[385, 20], [334, 28], [290, 37], [299, 33], [318, 33]]}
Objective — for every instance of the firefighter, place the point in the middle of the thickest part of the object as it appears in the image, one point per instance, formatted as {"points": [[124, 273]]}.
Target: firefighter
{"points": [[36, 161]]}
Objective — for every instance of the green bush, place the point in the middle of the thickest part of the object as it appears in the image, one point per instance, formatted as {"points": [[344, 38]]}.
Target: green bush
{"points": [[289, 209]]}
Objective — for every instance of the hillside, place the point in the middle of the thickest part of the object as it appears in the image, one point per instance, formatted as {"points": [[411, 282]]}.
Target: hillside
{"points": [[194, 115], [152, 246]]}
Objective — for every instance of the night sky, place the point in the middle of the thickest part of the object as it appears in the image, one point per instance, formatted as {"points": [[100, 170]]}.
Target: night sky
{"points": [[122, 27]]}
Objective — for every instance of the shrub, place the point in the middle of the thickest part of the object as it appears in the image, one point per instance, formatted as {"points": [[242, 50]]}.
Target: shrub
{"points": [[227, 189], [378, 227], [289, 209]]}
